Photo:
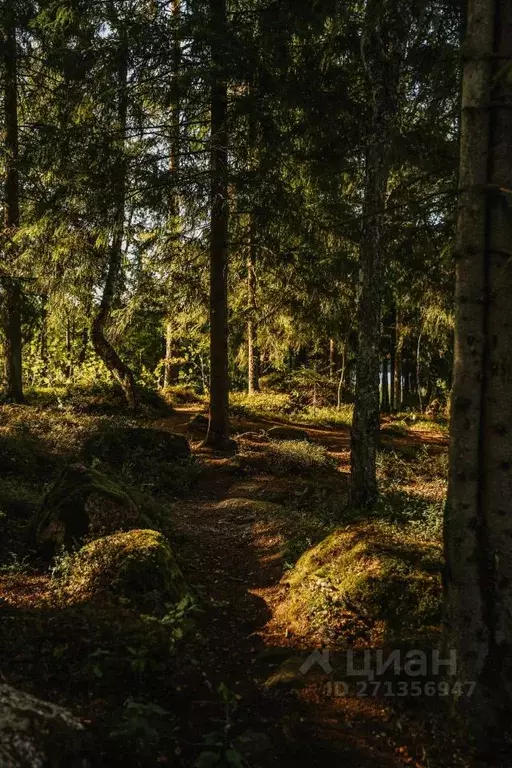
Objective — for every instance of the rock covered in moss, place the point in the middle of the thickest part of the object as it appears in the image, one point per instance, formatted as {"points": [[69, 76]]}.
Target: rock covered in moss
{"points": [[198, 423], [84, 503], [137, 565], [36, 734], [368, 581], [287, 433], [136, 444]]}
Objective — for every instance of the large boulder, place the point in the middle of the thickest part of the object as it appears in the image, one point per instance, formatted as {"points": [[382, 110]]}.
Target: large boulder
{"points": [[82, 504], [134, 445], [36, 734], [153, 459], [137, 565], [287, 433], [371, 582]]}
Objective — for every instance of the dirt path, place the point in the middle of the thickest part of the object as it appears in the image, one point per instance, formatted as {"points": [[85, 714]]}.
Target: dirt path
{"points": [[232, 557]]}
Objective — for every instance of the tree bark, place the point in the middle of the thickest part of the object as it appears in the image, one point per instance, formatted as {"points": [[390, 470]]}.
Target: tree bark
{"points": [[385, 386], [102, 346], [218, 427], [341, 382], [418, 372], [382, 61], [171, 367], [332, 358], [398, 344], [253, 352], [12, 286], [478, 576]]}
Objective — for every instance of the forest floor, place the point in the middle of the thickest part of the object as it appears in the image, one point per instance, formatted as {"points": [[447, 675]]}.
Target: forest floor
{"points": [[233, 692]]}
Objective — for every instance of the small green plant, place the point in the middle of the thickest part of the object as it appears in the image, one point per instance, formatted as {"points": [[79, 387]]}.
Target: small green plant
{"points": [[178, 619], [217, 749], [15, 565], [142, 726]]}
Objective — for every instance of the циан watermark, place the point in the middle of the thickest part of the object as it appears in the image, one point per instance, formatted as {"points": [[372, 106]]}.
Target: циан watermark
{"points": [[413, 673]]}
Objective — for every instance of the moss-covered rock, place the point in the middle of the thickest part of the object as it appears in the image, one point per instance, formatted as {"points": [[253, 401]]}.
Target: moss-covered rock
{"points": [[198, 423], [369, 583], [151, 459], [137, 565], [82, 504], [135, 444], [287, 433], [35, 733]]}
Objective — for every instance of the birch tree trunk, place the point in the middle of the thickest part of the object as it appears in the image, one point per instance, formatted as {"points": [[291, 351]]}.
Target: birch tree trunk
{"points": [[383, 48], [218, 427], [478, 527], [12, 287], [102, 346]]}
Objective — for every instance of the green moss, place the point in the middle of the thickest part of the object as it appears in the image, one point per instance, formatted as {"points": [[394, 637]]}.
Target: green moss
{"points": [[137, 565], [283, 457], [84, 503], [153, 459], [370, 575]]}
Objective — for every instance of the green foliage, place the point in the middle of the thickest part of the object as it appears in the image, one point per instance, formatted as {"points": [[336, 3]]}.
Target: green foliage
{"points": [[217, 749], [143, 726]]}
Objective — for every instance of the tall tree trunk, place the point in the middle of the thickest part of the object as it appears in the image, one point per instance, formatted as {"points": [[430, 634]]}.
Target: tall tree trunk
{"points": [[418, 372], [102, 346], [171, 366], [12, 286], [398, 344], [218, 427], [382, 63], [341, 382], [385, 386], [332, 358], [43, 339], [69, 349], [253, 353], [392, 377], [478, 578]]}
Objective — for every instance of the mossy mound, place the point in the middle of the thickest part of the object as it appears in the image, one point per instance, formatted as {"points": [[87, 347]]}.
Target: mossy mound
{"points": [[109, 400], [137, 565], [286, 457], [116, 446], [243, 510], [198, 423], [287, 433], [82, 504], [153, 459], [369, 583]]}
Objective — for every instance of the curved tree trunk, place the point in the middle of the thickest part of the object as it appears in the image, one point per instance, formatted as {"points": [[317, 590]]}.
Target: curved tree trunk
{"points": [[102, 346], [12, 286]]}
